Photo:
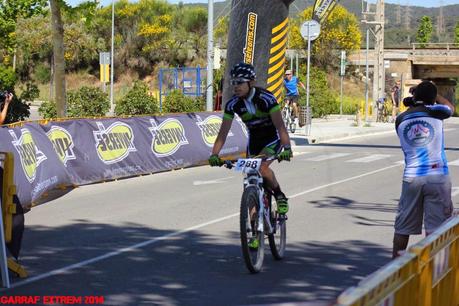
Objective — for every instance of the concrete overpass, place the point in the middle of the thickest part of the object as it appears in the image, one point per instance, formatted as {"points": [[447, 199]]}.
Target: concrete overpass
{"points": [[438, 62]]}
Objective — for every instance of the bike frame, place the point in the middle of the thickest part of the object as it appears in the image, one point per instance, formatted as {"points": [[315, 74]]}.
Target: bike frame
{"points": [[254, 178]]}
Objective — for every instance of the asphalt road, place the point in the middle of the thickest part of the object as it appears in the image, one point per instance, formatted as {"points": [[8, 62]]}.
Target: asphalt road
{"points": [[172, 238]]}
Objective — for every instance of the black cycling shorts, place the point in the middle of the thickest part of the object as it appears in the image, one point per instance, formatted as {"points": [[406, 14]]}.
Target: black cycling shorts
{"points": [[258, 146], [293, 99]]}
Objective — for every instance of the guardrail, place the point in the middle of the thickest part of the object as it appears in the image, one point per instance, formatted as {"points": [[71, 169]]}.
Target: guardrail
{"points": [[426, 275], [446, 46]]}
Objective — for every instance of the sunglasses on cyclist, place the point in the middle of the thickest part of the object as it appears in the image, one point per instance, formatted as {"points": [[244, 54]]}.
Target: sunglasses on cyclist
{"points": [[238, 81]]}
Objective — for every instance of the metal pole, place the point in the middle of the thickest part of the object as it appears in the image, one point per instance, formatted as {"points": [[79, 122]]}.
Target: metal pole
{"points": [[112, 67], [297, 72], [341, 103], [307, 82], [210, 55], [366, 76]]}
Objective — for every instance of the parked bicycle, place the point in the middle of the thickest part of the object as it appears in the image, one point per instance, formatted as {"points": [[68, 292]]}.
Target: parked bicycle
{"points": [[383, 111], [258, 218], [287, 116]]}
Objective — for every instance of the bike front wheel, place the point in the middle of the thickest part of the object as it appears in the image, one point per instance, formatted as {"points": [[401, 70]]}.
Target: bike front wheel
{"points": [[292, 126], [278, 239], [249, 221]]}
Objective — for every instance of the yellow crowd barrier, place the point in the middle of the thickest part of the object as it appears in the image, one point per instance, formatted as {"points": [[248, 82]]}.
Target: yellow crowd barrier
{"points": [[426, 275], [8, 208], [8, 191]]}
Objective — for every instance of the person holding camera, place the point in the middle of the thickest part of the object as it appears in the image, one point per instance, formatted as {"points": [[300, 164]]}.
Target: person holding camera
{"points": [[426, 188], [7, 98]]}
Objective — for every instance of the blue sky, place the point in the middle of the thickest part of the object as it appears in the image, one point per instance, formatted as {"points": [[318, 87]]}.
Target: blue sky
{"points": [[424, 3]]}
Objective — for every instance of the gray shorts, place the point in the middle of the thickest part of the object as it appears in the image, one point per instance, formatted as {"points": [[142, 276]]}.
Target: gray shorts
{"points": [[427, 197]]}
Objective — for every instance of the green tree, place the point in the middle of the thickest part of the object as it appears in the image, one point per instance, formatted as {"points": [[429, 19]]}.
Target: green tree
{"points": [[456, 33], [424, 31], [221, 30], [57, 27], [195, 23], [340, 31], [10, 12]]}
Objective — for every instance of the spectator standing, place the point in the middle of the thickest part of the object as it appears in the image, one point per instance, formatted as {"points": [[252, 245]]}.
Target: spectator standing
{"points": [[395, 95], [426, 188]]}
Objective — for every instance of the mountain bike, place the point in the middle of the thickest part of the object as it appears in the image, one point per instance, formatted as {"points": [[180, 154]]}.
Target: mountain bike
{"points": [[258, 218], [286, 112]]}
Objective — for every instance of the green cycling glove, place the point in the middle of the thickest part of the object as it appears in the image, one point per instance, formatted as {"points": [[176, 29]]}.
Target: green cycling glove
{"points": [[215, 161], [286, 154]]}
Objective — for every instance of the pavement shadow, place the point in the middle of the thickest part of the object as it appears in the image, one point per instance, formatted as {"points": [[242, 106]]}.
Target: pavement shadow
{"points": [[337, 202], [192, 268]]}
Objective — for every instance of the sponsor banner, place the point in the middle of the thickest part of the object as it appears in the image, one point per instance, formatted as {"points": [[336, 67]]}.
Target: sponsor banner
{"points": [[83, 151], [39, 174]]}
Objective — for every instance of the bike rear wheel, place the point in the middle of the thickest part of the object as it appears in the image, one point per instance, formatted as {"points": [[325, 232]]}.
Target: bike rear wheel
{"points": [[278, 239], [249, 230]]}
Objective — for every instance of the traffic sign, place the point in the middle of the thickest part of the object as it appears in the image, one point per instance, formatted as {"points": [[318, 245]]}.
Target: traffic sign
{"points": [[311, 29]]}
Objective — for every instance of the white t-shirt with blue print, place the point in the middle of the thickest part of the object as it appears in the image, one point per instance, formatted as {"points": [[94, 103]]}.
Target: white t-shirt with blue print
{"points": [[420, 130]]}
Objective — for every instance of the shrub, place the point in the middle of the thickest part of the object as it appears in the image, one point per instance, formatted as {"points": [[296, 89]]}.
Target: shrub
{"points": [[137, 101], [87, 102], [177, 102], [84, 102], [7, 78], [42, 73], [321, 99], [48, 110], [30, 92]]}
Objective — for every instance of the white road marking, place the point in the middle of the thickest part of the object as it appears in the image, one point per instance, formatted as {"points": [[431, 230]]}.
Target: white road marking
{"points": [[342, 181], [454, 163], [174, 234], [327, 156], [369, 158], [454, 191], [117, 252], [216, 181]]}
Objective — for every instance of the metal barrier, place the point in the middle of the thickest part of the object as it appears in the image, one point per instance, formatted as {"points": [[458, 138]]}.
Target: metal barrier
{"points": [[393, 284], [439, 265], [426, 275], [305, 116]]}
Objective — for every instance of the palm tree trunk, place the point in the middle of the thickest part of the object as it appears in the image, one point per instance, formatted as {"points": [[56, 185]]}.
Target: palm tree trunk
{"points": [[59, 61]]}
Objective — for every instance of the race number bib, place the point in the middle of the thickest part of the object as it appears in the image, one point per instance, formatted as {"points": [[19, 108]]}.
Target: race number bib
{"points": [[248, 164]]}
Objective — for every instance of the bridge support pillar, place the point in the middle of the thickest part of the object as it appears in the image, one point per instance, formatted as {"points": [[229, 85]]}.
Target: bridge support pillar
{"points": [[446, 88]]}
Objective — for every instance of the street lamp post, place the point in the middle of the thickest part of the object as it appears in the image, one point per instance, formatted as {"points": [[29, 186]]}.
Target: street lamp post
{"points": [[210, 56], [112, 106]]}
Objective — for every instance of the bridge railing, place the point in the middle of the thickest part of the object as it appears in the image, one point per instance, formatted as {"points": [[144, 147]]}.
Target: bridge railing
{"points": [[423, 46]]}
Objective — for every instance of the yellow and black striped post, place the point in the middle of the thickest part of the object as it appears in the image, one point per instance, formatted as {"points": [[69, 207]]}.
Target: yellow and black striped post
{"points": [[258, 36]]}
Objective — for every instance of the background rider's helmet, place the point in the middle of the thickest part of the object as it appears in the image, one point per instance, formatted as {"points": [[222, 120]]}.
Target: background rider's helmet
{"points": [[288, 72], [243, 72]]}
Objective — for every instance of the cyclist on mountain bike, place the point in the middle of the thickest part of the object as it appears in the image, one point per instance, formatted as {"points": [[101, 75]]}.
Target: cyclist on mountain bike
{"points": [[259, 110], [291, 83]]}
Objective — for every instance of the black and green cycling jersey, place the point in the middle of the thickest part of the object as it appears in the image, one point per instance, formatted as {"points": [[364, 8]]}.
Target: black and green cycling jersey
{"points": [[255, 111]]}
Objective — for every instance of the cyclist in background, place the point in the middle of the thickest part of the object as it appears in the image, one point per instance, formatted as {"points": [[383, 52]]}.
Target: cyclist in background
{"points": [[292, 94], [259, 110]]}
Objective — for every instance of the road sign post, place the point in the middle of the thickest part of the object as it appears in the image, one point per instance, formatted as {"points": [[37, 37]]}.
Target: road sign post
{"points": [[104, 62], [342, 72], [309, 30]]}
